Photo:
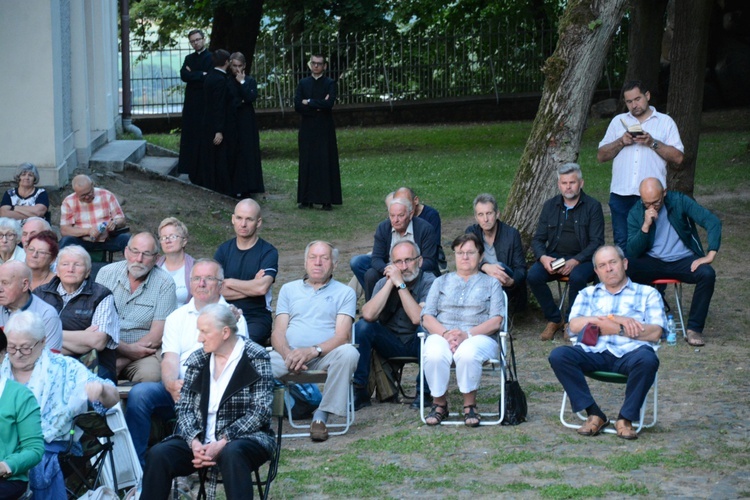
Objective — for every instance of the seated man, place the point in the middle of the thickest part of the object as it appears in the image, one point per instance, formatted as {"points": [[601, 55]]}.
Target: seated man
{"points": [[15, 295], [399, 226], [32, 227], [391, 318], [503, 257], [313, 331], [144, 297], [631, 318], [179, 342], [92, 217], [87, 311], [571, 226], [663, 242]]}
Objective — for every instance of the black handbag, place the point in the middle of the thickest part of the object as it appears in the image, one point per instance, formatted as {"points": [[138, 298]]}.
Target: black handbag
{"points": [[515, 399]]}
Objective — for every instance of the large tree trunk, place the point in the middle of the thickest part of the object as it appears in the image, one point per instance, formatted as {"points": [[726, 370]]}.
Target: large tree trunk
{"points": [[647, 19], [236, 28], [571, 74], [686, 78]]}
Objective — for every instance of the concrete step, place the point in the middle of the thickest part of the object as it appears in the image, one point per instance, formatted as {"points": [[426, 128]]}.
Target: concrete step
{"points": [[163, 165], [112, 156]]}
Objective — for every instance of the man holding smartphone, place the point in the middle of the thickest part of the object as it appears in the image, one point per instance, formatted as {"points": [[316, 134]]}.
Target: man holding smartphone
{"points": [[636, 156]]}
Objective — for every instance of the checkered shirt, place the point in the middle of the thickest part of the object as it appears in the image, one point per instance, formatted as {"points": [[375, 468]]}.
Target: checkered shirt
{"points": [[103, 208]]}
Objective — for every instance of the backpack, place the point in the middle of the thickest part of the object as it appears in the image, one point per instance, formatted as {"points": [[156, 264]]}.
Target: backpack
{"points": [[303, 399]]}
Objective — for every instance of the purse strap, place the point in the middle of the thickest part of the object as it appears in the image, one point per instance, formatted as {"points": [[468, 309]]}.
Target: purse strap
{"points": [[511, 364]]}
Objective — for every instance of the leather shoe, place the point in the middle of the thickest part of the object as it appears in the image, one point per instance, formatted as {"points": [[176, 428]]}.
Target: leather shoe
{"points": [[550, 331], [318, 431], [625, 429], [415, 404], [593, 426], [361, 398]]}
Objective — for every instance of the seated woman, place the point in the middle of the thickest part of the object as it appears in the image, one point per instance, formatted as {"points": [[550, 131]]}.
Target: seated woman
{"points": [[25, 200], [63, 387], [173, 236], [10, 236], [21, 441], [87, 311], [223, 414], [462, 312], [41, 252]]}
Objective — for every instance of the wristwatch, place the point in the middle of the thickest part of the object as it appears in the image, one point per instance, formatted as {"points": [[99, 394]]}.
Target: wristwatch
{"points": [[319, 349], [654, 145], [401, 286]]}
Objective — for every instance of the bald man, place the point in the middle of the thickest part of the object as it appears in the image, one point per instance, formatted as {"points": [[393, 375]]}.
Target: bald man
{"points": [[250, 266], [663, 242]]}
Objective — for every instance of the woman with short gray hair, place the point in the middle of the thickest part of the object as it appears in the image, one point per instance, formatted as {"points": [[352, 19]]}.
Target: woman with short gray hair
{"points": [[10, 236], [25, 200]]}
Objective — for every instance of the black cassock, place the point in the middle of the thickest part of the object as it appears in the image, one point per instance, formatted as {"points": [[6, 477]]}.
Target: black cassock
{"points": [[247, 174], [192, 109], [319, 175], [215, 171]]}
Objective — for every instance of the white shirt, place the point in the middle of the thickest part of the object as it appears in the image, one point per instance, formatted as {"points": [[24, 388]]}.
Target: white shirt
{"points": [[181, 288], [181, 332], [637, 162], [219, 385], [408, 235]]}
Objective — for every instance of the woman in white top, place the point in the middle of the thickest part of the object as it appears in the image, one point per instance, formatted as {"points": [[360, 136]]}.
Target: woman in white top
{"points": [[173, 236], [10, 236]]}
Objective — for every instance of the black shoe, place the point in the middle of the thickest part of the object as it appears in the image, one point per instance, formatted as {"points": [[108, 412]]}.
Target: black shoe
{"points": [[415, 404], [361, 398], [327, 207], [304, 205]]}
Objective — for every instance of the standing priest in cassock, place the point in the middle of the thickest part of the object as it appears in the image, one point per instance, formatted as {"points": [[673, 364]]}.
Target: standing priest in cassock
{"points": [[319, 176], [193, 72], [219, 127]]}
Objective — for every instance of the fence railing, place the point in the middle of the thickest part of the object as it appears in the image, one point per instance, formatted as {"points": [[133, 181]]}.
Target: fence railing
{"points": [[489, 60]]}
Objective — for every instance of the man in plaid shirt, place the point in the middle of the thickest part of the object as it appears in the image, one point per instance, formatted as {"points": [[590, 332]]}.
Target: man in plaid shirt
{"points": [[92, 217], [630, 318]]}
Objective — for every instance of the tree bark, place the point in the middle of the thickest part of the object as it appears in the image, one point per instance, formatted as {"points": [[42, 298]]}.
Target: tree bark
{"points": [[647, 19], [686, 81], [236, 28], [571, 74]]}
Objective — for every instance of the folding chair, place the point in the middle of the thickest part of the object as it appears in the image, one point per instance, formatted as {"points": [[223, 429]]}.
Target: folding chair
{"points": [[616, 378], [680, 320], [496, 364], [397, 365], [84, 472], [318, 377]]}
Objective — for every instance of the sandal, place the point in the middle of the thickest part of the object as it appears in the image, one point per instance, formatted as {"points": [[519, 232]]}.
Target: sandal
{"points": [[437, 415], [694, 339], [471, 415]]}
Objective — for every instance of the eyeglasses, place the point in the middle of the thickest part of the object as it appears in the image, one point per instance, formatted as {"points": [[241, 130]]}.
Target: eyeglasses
{"points": [[194, 40], [171, 237], [138, 253], [34, 251], [25, 351], [470, 253], [8, 236], [207, 279], [404, 261], [316, 63]]}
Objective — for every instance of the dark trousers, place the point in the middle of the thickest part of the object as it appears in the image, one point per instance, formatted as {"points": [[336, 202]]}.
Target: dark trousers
{"points": [[571, 362], [619, 207], [373, 335], [538, 278], [173, 458], [114, 244], [646, 269], [11, 490]]}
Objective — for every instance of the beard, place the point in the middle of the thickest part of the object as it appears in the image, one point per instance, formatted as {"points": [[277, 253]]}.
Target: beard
{"points": [[138, 270], [409, 277]]}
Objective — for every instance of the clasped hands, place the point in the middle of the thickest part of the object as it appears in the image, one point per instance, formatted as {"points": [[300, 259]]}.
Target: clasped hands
{"points": [[631, 327], [455, 337], [204, 455]]}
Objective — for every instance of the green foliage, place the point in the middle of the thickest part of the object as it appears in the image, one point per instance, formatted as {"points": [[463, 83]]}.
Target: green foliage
{"points": [[591, 491], [157, 24], [627, 461]]}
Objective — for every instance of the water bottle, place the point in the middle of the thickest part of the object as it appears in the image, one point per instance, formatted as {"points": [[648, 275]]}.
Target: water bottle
{"points": [[102, 227], [671, 332]]}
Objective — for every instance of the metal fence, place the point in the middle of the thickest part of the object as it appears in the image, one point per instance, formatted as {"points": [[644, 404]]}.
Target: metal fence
{"points": [[490, 60]]}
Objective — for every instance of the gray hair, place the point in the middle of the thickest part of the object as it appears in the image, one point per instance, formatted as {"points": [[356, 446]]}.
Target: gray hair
{"points": [[44, 222], [76, 251], [26, 322], [8, 223], [617, 249], [219, 273], [149, 234], [26, 167], [486, 198], [401, 201], [569, 168], [406, 242], [222, 315], [334, 250]]}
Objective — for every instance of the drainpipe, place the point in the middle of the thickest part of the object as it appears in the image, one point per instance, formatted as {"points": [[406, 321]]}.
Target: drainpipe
{"points": [[127, 122]]}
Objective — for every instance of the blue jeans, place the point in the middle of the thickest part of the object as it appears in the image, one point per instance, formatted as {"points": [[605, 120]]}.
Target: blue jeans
{"points": [[619, 206], [146, 399], [538, 277], [114, 244], [373, 335], [571, 362], [360, 264], [646, 269]]}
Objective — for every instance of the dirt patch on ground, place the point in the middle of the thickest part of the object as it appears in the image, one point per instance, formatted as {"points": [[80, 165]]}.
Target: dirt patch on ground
{"points": [[699, 448]]}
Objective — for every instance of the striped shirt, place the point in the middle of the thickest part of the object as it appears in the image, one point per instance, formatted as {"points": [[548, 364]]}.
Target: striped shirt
{"points": [[640, 302]]}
